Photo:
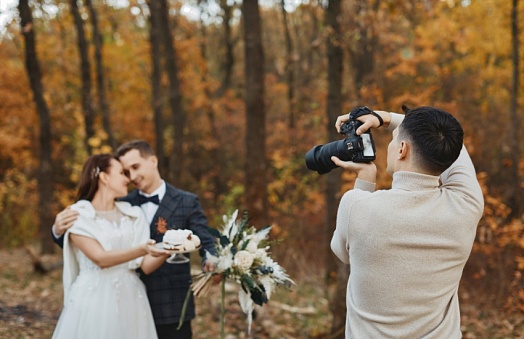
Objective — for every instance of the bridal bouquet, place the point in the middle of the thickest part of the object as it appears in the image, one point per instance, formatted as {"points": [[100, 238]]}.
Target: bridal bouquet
{"points": [[242, 257]]}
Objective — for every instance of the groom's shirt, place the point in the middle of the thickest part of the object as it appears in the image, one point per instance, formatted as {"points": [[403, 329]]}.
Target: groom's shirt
{"points": [[150, 208]]}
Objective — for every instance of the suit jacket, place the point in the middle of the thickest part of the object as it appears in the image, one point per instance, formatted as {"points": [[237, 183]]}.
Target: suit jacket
{"points": [[167, 287], [59, 241]]}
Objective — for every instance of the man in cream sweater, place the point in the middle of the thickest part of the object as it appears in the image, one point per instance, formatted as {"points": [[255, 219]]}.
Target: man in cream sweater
{"points": [[407, 246]]}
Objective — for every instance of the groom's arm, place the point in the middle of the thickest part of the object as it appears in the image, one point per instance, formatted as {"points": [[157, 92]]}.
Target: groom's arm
{"points": [[199, 225], [197, 222], [59, 240], [63, 221]]}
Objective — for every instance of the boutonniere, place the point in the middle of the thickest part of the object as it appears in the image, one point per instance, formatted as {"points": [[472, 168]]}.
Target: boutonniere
{"points": [[161, 225]]}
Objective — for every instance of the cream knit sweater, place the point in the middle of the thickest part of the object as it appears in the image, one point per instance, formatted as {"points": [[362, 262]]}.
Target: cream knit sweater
{"points": [[407, 247]]}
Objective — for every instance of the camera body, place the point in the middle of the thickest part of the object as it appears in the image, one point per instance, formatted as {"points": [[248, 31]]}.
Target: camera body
{"points": [[357, 145], [357, 148]]}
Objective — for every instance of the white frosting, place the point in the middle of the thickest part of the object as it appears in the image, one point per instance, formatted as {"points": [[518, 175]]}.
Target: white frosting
{"points": [[183, 240]]}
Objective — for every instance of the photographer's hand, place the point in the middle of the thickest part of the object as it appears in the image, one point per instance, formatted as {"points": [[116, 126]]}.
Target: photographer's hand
{"points": [[365, 170], [368, 121]]}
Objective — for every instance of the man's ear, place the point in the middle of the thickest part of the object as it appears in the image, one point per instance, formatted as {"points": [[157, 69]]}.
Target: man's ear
{"points": [[403, 150], [154, 159]]}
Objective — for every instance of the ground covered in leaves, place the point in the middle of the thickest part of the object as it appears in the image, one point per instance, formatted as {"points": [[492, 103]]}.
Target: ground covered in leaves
{"points": [[30, 304]]}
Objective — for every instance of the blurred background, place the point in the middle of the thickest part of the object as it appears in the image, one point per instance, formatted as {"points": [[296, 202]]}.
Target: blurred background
{"points": [[232, 94]]}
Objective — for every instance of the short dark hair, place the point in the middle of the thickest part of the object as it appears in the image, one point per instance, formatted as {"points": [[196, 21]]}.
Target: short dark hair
{"points": [[94, 165], [142, 146], [436, 137]]}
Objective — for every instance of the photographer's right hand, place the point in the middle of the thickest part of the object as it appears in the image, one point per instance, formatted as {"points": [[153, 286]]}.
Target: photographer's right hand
{"points": [[365, 170], [368, 121], [371, 121]]}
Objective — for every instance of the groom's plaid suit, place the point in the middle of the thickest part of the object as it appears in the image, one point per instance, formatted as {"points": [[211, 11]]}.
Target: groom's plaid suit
{"points": [[167, 286]]}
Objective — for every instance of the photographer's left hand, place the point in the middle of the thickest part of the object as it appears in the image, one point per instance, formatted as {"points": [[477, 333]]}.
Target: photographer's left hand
{"points": [[365, 170]]}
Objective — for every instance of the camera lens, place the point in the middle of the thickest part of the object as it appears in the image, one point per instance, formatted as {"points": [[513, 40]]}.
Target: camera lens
{"points": [[319, 157]]}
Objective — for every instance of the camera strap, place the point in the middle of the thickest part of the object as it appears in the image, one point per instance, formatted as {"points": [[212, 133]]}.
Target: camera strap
{"points": [[360, 111]]}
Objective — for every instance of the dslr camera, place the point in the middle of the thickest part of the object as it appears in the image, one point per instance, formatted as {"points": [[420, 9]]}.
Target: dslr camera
{"points": [[357, 148]]}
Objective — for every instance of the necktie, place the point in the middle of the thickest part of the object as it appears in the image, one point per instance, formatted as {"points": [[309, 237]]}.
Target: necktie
{"points": [[142, 199]]}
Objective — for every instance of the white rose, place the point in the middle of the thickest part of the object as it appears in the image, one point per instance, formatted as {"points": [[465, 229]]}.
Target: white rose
{"points": [[251, 246], [226, 250], [243, 260], [225, 262], [260, 253]]}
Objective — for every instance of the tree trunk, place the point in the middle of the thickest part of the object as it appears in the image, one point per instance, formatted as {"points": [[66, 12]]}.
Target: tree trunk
{"points": [[45, 170], [308, 51], [312, 52], [85, 70], [290, 75], [156, 88], [334, 109], [256, 162], [515, 187], [361, 55], [215, 153], [229, 43], [175, 97], [100, 77]]}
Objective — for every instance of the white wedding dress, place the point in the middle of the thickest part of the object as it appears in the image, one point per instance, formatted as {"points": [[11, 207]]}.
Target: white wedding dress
{"points": [[109, 302]]}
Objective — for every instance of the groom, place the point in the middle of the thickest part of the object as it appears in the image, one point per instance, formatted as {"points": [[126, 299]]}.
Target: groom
{"points": [[163, 206]]}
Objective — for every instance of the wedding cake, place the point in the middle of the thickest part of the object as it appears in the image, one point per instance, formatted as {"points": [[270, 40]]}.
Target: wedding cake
{"points": [[180, 240]]}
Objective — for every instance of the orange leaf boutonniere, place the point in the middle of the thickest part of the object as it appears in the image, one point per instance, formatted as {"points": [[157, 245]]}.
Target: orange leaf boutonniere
{"points": [[161, 225]]}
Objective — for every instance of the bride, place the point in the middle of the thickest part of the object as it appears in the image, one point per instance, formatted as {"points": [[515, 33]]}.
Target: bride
{"points": [[103, 295]]}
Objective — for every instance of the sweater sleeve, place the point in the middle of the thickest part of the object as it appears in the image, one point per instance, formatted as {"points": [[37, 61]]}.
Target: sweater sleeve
{"points": [[340, 242], [396, 119], [461, 178], [365, 185], [341, 236]]}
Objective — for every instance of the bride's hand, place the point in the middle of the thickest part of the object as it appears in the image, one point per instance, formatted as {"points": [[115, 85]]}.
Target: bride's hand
{"points": [[153, 250]]}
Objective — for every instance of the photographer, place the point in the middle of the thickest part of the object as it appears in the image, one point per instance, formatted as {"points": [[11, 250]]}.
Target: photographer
{"points": [[407, 246]]}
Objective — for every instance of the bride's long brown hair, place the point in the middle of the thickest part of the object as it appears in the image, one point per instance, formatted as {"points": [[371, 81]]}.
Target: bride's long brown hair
{"points": [[94, 165]]}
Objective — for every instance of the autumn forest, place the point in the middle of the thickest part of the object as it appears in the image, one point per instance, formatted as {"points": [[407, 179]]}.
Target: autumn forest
{"points": [[232, 94]]}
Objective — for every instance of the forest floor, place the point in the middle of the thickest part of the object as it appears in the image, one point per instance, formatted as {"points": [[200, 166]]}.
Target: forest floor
{"points": [[30, 304]]}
